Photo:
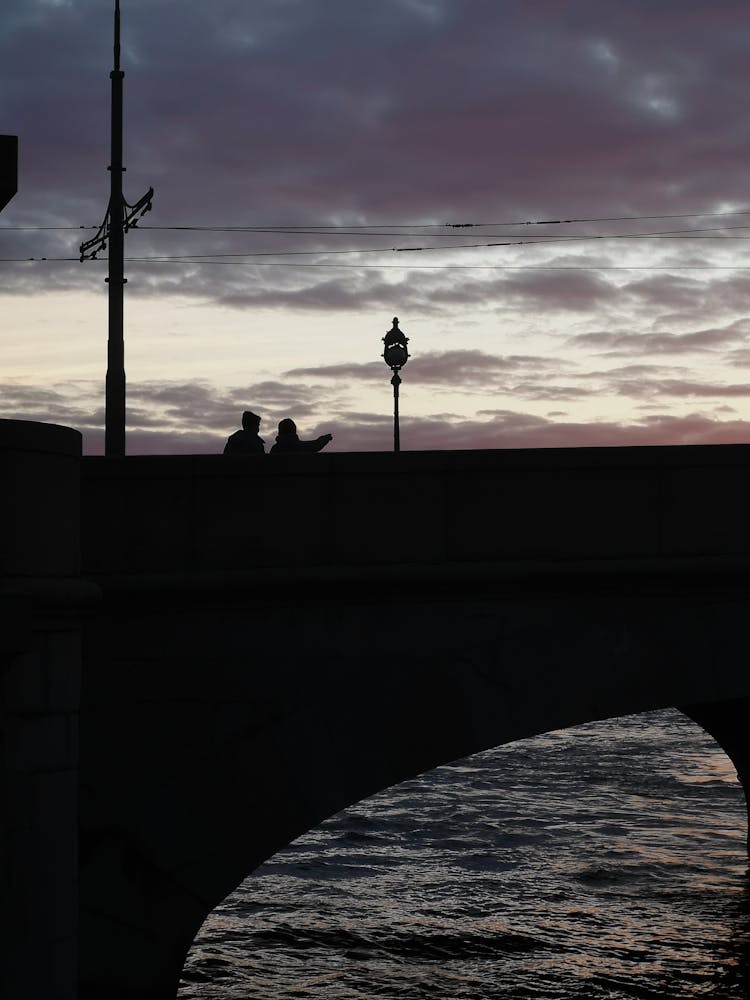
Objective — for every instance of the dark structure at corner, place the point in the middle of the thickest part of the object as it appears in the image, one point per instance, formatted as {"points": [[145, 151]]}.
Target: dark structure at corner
{"points": [[241, 649], [8, 168]]}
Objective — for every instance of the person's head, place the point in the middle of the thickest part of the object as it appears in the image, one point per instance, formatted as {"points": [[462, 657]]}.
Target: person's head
{"points": [[250, 421], [287, 426]]}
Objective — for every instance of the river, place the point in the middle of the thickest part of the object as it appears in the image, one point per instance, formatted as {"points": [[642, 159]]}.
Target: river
{"points": [[603, 861]]}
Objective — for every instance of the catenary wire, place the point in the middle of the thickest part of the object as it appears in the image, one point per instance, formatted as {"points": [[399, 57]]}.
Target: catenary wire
{"points": [[453, 246], [321, 231], [411, 225], [399, 267], [538, 241], [426, 249]]}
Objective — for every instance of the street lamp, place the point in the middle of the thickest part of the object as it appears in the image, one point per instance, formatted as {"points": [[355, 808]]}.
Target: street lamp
{"points": [[395, 356]]}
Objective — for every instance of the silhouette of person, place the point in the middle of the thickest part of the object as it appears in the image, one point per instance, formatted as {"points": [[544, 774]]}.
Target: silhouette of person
{"points": [[246, 441], [288, 441]]}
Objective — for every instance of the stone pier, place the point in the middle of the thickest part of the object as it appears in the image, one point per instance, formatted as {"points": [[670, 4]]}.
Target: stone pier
{"points": [[41, 602]]}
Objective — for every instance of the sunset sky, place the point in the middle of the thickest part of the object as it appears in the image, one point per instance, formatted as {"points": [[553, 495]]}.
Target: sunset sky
{"points": [[371, 126]]}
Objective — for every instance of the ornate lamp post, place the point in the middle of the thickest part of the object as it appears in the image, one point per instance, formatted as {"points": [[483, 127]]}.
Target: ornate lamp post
{"points": [[395, 356]]}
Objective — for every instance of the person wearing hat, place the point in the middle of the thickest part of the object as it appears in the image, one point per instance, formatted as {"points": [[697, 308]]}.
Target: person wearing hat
{"points": [[246, 441]]}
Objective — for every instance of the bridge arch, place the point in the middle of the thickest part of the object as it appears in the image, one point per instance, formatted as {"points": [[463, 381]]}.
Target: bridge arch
{"points": [[305, 702], [334, 897]]}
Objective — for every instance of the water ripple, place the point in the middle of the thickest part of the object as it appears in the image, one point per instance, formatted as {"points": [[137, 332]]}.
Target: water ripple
{"points": [[604, 862]]}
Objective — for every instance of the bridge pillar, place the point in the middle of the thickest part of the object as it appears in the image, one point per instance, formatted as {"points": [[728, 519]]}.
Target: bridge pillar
{"points": [[729, 724], [41, 597]]}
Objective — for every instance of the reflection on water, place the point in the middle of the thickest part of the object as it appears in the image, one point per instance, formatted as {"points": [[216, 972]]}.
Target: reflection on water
{"points": [[605, 861]]}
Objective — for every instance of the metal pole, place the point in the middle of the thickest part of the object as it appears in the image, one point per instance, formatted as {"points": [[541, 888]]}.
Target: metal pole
{"points": [[396, 382], [114, 407]]}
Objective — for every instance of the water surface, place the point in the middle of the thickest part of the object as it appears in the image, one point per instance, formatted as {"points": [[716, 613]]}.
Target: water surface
{"points": [[604, 861]]}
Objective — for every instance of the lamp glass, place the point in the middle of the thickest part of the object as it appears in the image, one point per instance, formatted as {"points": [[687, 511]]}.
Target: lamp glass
{"points": [[395, 355]]}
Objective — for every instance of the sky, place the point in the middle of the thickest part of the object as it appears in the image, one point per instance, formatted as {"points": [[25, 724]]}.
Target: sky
{"points": [[302, 150]]}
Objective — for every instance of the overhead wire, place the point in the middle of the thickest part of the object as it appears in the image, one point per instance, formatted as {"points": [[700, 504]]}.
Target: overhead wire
{"points": [[319, 251], [687, 233], [540, 241], [714, 233], [462, 267], [400, 267], [400, 225]]}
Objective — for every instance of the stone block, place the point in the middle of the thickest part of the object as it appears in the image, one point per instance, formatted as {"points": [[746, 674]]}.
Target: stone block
{"points": [[39, 950], [387, 519], [40, 743], [704, 510], [40, 469], [24, 684], [15, 624], [63, 668]]}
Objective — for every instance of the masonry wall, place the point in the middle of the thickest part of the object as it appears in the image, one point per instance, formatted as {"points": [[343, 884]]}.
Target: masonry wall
{"points": [[187, 514], [41, 601], [260, 615], [218, 726], [281, 637]]}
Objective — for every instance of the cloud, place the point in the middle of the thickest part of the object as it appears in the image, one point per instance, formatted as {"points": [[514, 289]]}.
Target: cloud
{"points": [[575, 291], [666, 291], [408, 111], [290, 114], [462, 368], [72, 404], [195, 418], [505, 429], [625, 343], [535, 379], [740, 358], [659, 388], [167, 413], [512, 429]]}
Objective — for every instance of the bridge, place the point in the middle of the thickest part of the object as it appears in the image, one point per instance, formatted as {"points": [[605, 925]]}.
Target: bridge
{"points": [[203, 657]]}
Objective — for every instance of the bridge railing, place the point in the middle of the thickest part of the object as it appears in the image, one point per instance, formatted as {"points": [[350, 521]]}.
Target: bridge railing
{"points": [[178, 514]]}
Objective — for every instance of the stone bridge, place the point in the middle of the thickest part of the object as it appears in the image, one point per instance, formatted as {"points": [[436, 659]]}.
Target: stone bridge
{"points": [[203, 656]]}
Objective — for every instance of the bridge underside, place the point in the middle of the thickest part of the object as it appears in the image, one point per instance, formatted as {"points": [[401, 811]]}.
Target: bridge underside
{"points": [[247, 646], [223, 716]]}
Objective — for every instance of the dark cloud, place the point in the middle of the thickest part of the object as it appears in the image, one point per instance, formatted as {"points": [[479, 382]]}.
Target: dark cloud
{"points": [[521, 377], [575, 291], [370, 371], [406, 110], [72, 404], [469, 369], [624, 343], [657, 383], [162, 411], [324, 285], [538, 391], [740, 357], [511, 429], [639, 371], [683, 388], [191, 405], [666, 292], [497, 430], [306, 112], [195, 418]]}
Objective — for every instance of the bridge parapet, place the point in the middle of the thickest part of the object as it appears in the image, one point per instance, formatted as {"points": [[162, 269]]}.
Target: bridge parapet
{"points": [[218, 724], [195, 513]]}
